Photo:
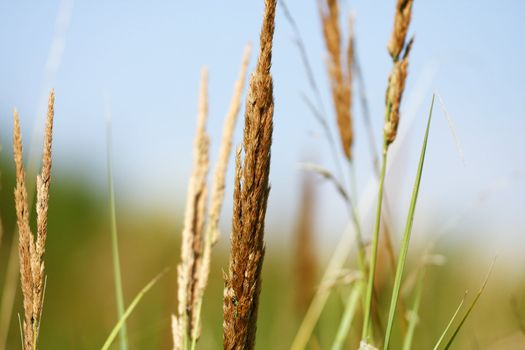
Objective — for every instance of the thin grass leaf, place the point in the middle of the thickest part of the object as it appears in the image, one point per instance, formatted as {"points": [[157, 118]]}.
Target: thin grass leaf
{"points": [[406, 236], [413, 318], [471, 307], [121, 322], [348, 316], [440, 340], [366, 335], [114, 244]]}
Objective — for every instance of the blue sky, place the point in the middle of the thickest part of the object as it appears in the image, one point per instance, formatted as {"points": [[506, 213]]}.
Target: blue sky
{"points": [[142, 58]]}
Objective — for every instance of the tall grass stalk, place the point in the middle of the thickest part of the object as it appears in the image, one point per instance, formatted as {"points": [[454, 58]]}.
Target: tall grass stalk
{"points": [[250, 198], [119, 294], [373, 255], [406, 236], [399, 51]]}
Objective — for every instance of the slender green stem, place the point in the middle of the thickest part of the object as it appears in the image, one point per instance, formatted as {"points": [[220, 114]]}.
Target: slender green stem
{"points": [[406, 236], [114, 248], [361, 253], [348, 316], [375, 241]]}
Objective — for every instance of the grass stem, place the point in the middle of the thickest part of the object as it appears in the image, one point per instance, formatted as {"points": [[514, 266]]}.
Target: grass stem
{"points": [[375, 243], [114, 247]]}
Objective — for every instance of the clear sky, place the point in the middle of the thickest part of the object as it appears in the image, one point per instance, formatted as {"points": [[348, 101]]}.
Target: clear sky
{"points": [[141, 60]]}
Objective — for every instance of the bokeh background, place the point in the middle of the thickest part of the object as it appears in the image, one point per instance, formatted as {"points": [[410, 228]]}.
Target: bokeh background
{"points": [[137, 64]]}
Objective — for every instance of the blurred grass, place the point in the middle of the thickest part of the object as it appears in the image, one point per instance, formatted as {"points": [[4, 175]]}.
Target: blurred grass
{"points": [[80, 311]]}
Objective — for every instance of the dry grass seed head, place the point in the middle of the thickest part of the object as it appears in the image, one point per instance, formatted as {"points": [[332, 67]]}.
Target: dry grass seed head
{"points": [[217, 194], [42, 205], [396, 86], [31, 252], [219, 175], [25, 237], [243, 282], [194, 219], [340, 79], [401, 23]]}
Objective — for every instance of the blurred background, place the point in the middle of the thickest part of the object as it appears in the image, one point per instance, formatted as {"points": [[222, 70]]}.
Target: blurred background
{"points": [[137, 64]]}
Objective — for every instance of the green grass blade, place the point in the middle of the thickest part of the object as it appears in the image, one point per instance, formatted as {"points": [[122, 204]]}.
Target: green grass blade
{"points": [[114, 246], [406, 236], [440, 340], [373, 256], [348, 316], [413, 317], [121, 322], [471, 307]]}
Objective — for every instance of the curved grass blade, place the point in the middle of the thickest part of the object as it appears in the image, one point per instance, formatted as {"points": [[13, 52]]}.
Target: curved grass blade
{"points": [[406, 237], [130, 309], [471, 307]]}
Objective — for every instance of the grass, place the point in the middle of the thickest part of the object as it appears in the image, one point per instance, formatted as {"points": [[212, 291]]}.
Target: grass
{"points": [[347, 308]]}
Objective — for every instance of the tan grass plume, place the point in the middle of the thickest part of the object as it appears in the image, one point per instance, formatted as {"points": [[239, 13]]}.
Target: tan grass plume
{"points": [[340, 78], [194, 219], [396, 86], [217, 189], [219, 174], [401, 23], [397, 46], [243, 279], [207, 233], [31, 249]]}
